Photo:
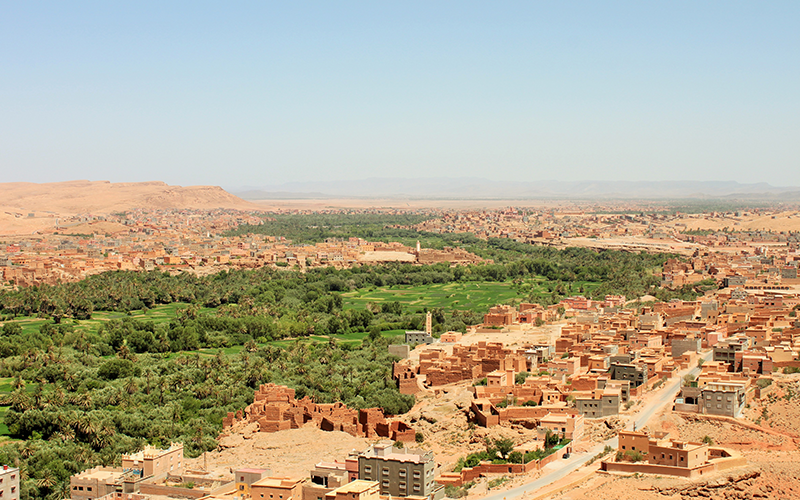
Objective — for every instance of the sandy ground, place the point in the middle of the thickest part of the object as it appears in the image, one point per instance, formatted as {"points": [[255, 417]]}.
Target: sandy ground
{"points": [[649, 244], [290, 453], [784, 221], [387, 257]]}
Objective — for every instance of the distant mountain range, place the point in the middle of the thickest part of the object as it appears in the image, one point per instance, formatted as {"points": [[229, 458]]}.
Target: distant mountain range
{"points": [[476, 188]]}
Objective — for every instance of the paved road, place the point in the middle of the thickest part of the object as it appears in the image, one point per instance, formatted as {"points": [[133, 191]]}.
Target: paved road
{"points": [[664, 396]]}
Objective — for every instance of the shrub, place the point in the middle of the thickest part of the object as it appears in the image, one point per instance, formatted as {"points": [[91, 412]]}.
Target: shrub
{"points": [[550, 439], [118, 368], [504, 446], [494, 483], [634, 456], [451, 491], [418, 437]]}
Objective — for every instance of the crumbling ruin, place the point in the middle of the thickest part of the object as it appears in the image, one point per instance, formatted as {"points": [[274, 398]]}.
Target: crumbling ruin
{"points": [[275, 409]]}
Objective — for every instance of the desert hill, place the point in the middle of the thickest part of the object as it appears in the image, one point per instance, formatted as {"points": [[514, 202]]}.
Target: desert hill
{"points": [[98, 197]]}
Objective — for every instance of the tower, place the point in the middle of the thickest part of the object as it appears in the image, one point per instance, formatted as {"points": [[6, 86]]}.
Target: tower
{"points": [[428, 322]]}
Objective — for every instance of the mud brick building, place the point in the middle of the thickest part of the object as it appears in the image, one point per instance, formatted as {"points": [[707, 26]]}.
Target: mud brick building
{"points": [[275, 408]]}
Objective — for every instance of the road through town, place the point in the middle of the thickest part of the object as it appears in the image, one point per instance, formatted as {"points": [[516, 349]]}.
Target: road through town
{"points": [[659, 400]]}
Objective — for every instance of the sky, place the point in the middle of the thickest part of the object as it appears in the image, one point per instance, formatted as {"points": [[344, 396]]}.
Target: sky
{"points": [[263, 93]]}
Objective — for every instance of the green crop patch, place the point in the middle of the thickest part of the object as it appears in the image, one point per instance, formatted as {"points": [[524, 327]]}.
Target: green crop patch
{"points": [[472, 296]]}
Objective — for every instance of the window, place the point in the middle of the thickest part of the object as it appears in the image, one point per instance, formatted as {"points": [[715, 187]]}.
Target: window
{"points": [[402, 473], [88, 488], [385, 471], [416, 474], [386, 484], [402, 485], [367, 468], [416, 486]]}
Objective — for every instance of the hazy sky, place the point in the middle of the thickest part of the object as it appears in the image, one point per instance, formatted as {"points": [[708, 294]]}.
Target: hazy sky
{"points": [[261, 93]]}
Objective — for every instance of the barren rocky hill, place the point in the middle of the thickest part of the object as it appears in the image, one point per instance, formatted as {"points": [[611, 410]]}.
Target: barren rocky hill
{"points": [[75, 197]]}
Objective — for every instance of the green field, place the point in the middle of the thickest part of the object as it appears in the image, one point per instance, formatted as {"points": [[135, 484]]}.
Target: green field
{"points": [[473, 296], [158, 314], [163, 314], [5, 388]]}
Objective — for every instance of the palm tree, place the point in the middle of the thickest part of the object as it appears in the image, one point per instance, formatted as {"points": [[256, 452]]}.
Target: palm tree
{"points": [[60, 491], [47, 480], [87, 427], [18, 383], [131, 386]]}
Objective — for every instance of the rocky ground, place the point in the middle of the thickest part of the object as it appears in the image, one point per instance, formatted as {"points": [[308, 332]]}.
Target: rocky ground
{"points": [[772, 475]]}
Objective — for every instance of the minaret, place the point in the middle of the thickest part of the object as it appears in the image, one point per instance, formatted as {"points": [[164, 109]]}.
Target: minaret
{"points": [[428, 321], [417, 248]]}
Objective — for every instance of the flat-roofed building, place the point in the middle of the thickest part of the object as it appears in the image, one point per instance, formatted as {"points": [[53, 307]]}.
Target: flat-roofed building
{"points": [[723, 398], [153, 461], [244, 478], [356, 490], [277, 488], [601, 403], [326, 477], [96, 482], [400, 472], [635, 373], [9, 483]]}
